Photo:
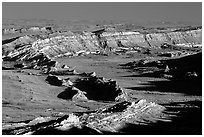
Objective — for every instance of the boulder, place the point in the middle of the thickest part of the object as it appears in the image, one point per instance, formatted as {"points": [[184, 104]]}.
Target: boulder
{"points": [[67, 82], [72, 93], [68, 93], [92, 74], [54, 80], [65, 67]]}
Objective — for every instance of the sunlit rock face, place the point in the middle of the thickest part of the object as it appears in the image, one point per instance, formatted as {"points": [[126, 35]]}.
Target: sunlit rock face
{"points": [[111, 119], [13, 44], [31, 48], [128, 39], [65, 45], [88, 42], [192, 37], [187, 37], [156, 39], [19, 30], [131, 39]]}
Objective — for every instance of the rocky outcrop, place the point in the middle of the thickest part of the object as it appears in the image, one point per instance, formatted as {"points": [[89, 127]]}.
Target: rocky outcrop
{"points": [[189, 66], [20, 51], [186, 67], [15, 44], [108, 119], [73, 93], [62, 72], [29, 58], [127, 39], [57, 81], [88, 87], [36, 51], [100, 89], [88, 42], [186, 38], [31, 52], [53, 80], [19, 30], [63, 45]]}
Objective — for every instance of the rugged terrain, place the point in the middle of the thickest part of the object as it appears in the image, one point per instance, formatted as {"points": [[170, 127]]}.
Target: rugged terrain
{"points": [[101, 79]]}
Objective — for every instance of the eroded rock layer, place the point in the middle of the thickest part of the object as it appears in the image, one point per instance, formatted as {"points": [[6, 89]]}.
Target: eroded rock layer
{"points": [[36, 52], [107, 119], [69, 43]]}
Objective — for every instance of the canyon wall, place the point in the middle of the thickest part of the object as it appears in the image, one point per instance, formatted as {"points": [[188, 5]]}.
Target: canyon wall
{"points": [[191, 37], [73, 44], [89, 42]]}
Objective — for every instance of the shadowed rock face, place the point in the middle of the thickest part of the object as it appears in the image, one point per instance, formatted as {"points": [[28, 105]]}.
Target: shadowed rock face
{"points": [[53, 80], [179, 68], [9, 40], [189, 64], [97, 88], [67, 94], [91, 88]]}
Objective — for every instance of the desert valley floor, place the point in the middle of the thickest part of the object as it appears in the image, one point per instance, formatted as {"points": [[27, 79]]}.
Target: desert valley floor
{"points": [[106, 80]]}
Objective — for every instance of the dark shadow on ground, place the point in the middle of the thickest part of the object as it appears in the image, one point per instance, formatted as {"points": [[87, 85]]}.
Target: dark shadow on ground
{"points": [[187, 122], [9, 40], [67, 94], [189, 87], [178, 68], [98, 89], [156, 74], [71, 131]]}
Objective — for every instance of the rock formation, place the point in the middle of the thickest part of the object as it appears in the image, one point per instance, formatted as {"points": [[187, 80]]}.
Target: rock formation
{"points": [[100, 89], [179, 68], [72, 44], [107, 119], [34, 52]]}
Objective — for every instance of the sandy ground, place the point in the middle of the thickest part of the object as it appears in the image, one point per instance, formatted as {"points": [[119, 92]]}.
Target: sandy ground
{"points": [[109, 67], [26, 95]]}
